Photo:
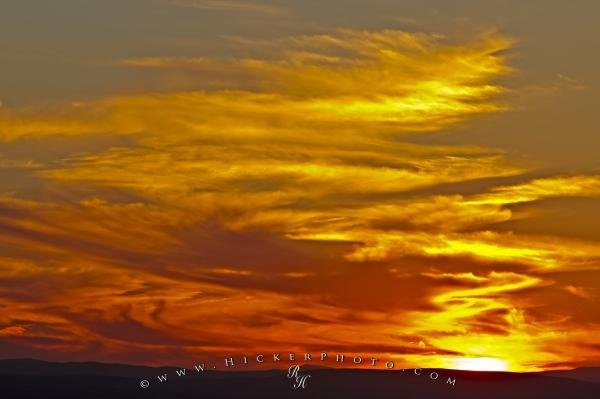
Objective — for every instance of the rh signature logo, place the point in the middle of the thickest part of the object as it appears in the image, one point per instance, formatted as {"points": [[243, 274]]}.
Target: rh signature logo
{"points": [[300, 379]]}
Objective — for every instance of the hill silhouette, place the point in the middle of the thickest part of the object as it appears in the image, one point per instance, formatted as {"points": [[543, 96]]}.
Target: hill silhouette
{"points": [[28, 378]]}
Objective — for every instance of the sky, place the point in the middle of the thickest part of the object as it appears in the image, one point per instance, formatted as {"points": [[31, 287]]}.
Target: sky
{"points": [[409, 180]]}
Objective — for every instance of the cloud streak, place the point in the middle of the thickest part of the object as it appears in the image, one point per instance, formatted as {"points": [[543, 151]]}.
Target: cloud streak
{"points": [[285, 181], [230, 5]]}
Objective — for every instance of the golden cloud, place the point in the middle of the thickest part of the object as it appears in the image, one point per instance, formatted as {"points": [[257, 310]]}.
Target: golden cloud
{"points": [[284, 180]]}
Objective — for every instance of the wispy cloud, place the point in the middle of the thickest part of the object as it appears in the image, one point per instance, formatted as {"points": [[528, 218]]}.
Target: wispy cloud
{"points": [[285, 180], [231, 5]]}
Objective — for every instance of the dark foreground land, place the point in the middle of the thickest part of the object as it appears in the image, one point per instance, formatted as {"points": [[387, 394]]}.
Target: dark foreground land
{"points": [[24, 378]]}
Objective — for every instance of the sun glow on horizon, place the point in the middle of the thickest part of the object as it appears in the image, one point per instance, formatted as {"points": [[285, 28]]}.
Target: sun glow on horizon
{"points": [[479, 364]]}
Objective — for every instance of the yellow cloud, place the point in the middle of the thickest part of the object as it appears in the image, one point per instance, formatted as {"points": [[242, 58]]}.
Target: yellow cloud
{"points": [[302, 140]]}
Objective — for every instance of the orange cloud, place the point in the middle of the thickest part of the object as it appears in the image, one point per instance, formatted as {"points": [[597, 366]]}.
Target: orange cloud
{"points": [[280, 194]]}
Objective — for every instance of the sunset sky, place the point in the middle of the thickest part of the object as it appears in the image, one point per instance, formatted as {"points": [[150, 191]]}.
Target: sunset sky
{"points": [[411, 180]]}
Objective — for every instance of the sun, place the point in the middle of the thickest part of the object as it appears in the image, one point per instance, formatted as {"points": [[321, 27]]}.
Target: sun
{"points": [[479, 364]]}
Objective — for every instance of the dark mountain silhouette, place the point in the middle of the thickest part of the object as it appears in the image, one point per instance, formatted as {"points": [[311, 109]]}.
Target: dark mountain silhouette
{"points": [[591, 374], [27, 378]]}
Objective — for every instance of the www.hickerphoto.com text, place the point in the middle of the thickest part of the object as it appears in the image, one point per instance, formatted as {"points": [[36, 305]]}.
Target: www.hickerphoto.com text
{"points": [[338, 360]]}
